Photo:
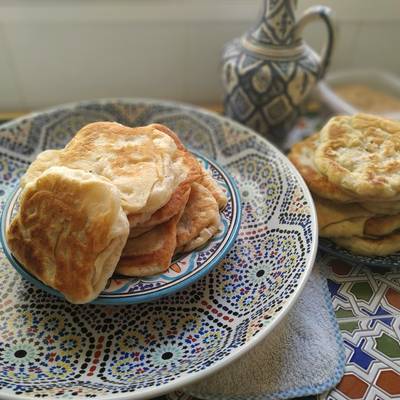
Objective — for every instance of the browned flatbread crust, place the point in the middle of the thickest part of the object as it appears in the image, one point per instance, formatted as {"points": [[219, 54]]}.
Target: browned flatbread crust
{"points": [[200, 220], [302, 156], [382, 225], [383, 246], [144, 163], [340, 220], [151, 252], [211, 184], [361, 154], [120, 181], [165, 213], [382, 207], [65, 236], [194, 168]]}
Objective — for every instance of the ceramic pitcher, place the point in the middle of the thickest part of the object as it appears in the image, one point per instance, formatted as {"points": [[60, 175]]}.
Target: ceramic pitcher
{"points": [[269, 71]]}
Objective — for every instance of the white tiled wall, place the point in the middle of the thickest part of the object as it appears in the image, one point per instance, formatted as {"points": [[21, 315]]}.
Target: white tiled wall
{"points": [[10, 95], [55, 52], [58, 62], [360, 44]]}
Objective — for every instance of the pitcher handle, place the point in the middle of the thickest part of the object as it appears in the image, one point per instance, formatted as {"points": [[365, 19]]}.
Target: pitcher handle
{"points": [[312, 14]]}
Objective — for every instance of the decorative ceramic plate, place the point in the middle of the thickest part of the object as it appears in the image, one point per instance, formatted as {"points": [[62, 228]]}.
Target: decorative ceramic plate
{"points": [[185, 269], [49, 347], [378, 261]]}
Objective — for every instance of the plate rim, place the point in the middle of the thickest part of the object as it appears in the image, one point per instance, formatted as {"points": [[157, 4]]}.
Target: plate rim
{"points": [[186, 378], [123, 301]]}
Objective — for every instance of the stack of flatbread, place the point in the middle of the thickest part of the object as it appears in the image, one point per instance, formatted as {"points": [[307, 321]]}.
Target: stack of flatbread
{"points": [[115, 199], [352, 167]]}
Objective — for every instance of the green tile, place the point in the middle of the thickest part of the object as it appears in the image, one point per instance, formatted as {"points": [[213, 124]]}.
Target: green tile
{"points": [[342, 313], [348, 326], [388, 346], [362, 291]]}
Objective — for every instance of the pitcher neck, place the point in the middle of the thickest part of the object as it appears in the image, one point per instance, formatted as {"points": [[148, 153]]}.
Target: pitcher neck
{"points": [[276, 23]]}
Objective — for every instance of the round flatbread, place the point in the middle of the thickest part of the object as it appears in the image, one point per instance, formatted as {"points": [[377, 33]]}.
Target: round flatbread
{"points": [[200, 220], [382, 207], [302, 156], [70, 231], [371, 247], [144, 163], [361, 154], [340, 220], [140, 224], [150, 253], [44, 160], [381, 226], [214, 188]]}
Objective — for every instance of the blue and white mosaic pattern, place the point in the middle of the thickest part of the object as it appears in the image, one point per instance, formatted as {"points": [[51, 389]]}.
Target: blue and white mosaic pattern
{"points": [[50, 348]]}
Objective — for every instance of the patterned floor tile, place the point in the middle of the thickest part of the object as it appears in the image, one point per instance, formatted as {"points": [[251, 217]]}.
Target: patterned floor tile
{"points": [[358, 291], [367, 305]]}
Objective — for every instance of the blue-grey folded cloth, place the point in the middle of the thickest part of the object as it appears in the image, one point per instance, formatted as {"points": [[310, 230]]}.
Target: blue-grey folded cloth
{"points": [[303, 356]]}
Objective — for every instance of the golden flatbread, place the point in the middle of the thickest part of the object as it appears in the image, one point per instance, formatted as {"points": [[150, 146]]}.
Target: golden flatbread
{"points": [[193, 166], [114, 199], [144, 163], [214, 188], [361, 154], [340, 220], [200, 220], [44, 160], [347, 228], [165, 213], [302, 156], [383, 246], [70, 231], [380, 226], [151, 252], [382, 207]]}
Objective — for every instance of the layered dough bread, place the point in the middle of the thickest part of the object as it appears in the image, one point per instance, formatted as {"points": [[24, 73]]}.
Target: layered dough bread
{"points": [[344, 220], [144, 163], [365, 246], [176, 203], [200, 220], [70, 231], [151, 252], [114, 199], [361, 153], [352, 168], [302, 156]]}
